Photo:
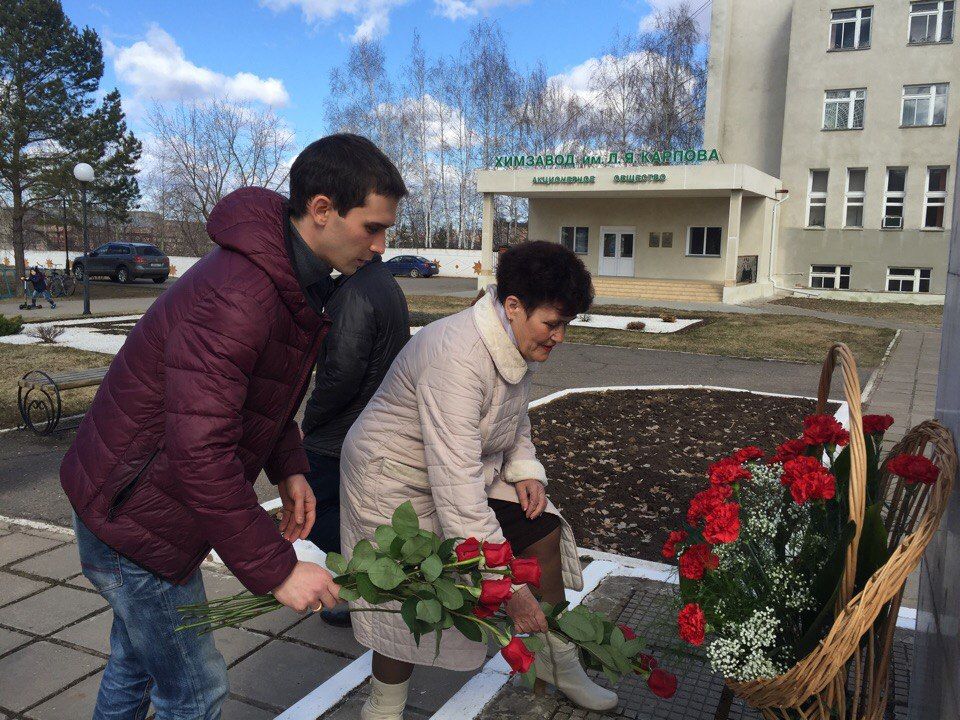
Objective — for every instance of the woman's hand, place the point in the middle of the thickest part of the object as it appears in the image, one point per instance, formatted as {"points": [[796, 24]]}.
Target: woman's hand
{"points": [[532, 496], [525, 611], [299, 508]]}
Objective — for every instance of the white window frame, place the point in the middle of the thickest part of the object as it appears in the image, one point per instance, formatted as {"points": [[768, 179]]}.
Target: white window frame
{"points": [[586, 249], [912, 93], [854, 198], [858, 24], [852, 97], [894, 198], [839, 273], [939, 12], [934, 198], [816, 199], [915, 278], [705, 254]]}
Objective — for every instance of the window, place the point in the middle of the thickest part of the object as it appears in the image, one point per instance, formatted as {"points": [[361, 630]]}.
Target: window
{"points": [[575, 238], [908, 279], [924, 105], [830, 277], [704, 241], [843, 109], [850, 29], [893, 198], [113, 249], [853, 199], [931, 22], [817, 199], [150, 250], [935, 197]]}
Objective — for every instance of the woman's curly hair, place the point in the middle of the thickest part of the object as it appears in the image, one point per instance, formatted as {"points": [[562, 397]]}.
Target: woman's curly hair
{"points": [[544, 273]]}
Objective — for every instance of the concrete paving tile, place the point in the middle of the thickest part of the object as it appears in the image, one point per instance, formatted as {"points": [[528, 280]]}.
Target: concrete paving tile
{"points": [[283, 672], [75, 702], [432, 687], [18, 545], [58, 564], [276, 622], [13, 587], [51, 610], [218, 586], [93, 633], [10, 640], [234, 643], [81, 581], [236, 710], [315, 631], [38, 670]]}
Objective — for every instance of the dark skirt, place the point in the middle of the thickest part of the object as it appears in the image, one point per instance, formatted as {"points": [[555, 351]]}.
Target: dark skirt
{"points": [[518, 529]]}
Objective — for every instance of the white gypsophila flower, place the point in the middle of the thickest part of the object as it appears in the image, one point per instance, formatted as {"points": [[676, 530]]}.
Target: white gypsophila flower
{"points": [[744, 651]]}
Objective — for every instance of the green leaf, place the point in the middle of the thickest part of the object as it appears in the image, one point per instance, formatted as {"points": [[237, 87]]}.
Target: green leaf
{"points": [[385, 535], [468, 627], [432, 568], [448, 594], [336, 563], [396, 548], [872, 552], [386, 574], [364, 555], [446, 550], [408, 611], [416, 549], [613, 677], [530, 677], [366, 589], [349, 594], [631, 648], [576, 627], [438, 634], [534, 643], [617, 639], [560, 607], [430, 611], [405, 521]]}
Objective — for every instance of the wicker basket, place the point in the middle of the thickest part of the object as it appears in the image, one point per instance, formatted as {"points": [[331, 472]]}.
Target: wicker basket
{"points": [[847, 674]]}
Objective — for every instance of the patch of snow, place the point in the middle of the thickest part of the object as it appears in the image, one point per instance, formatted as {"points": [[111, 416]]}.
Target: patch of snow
{"points": [[620, 322]]}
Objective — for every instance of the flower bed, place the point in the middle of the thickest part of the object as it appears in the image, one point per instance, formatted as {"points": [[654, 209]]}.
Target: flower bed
{"points": [[624, 464]]}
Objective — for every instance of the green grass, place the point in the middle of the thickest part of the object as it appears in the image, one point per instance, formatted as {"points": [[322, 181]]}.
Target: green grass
{"points": [[904, 312]]}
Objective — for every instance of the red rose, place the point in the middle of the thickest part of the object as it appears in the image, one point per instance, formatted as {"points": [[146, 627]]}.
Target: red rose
{"points": [[469, 548], [723, 524], [485, 611], [824, 430], [873, 424], [525, 571], [789, 450], [497, 554], [647, 662], [750, 452], [913, 469], [706, 501], [669, 550], [808, 479], [661, 683], [495, 592], [696, 560], [517, 656], [727, 472], [628, 633], [692, 623]]}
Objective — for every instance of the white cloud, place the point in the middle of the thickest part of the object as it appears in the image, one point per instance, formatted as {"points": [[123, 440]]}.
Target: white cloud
{"points": [[157, 69], [373, 16], [460, 9], [580, 80], [700, 8]]}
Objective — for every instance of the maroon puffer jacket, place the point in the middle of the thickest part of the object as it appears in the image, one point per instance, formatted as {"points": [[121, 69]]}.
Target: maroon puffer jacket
{"points": [[200, 397]]}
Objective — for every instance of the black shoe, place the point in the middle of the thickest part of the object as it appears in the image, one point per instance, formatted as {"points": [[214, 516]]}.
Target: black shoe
{"points": [[338, 617]]}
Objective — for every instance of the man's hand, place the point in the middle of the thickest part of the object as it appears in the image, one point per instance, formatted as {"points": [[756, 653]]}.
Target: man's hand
{"points": [[299, 507], [307, 588], [532, 496], [527, 615]]}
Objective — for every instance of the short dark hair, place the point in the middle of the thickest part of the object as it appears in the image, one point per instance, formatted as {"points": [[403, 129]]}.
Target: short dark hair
{"points": [[346, 168], [544, 273]]}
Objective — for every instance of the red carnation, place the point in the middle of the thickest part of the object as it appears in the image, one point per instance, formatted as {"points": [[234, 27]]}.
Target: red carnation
{"points": [[628, 633], [808, 479], [647, 662], [873, 424], [723, 524], [727, 471], [824, 430], [789, 450], [517, 656], [692, 623], [495, 592], [525, 571], [497, 554], [913, 469], [696, 560], [706, 501], [750, 452], [469, 548], [661, 683], [669, 550]]}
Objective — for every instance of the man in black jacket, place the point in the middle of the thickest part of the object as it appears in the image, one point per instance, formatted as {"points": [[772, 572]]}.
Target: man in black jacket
{"points": [[371, 324]]}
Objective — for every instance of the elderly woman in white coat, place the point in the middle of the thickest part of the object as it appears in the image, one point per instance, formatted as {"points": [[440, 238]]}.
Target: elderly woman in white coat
{"points": [[448, 430]]}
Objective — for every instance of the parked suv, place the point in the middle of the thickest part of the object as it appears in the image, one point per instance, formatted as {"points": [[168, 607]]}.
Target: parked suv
{"points": [[124, 262], [412, 266]]}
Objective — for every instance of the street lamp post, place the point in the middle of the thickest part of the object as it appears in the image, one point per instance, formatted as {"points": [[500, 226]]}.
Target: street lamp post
{"points": [[84, 173]]}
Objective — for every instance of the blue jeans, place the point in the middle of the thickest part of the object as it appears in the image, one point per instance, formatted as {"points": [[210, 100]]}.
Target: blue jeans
{"points": [[182, 673], [45, 293], [324, 479]]}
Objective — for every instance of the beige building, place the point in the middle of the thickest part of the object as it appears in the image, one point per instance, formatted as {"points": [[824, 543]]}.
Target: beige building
{"points": [[836, 140]]}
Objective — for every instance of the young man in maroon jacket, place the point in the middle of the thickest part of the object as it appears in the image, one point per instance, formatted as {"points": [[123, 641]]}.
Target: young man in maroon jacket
{"points": [[198, 401]]}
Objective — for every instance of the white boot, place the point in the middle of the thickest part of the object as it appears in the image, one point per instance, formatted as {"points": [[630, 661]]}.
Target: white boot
{"points": [[559, 665], [386, 702]]}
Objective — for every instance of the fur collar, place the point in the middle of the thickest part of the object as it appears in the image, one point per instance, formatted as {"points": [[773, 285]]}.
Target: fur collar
{"points": [[510, 363]]}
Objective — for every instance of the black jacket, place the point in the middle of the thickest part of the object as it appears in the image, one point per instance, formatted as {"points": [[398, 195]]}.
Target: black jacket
{"points": [[371, 324]]}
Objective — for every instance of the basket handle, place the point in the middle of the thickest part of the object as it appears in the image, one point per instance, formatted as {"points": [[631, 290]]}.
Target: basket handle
{"points": [[840, 354]]}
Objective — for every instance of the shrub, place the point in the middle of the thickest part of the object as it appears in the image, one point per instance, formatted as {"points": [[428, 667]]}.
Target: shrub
{"points": [[10, 325], [584, 317], [48, 333], [636, 325], [668, 318]]}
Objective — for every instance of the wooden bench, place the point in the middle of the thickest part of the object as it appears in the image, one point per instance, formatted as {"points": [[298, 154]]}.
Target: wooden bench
{"points": [[38, 395]]}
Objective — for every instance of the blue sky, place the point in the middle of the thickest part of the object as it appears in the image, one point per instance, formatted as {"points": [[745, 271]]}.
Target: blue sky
{"points": [[281, 52]]}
